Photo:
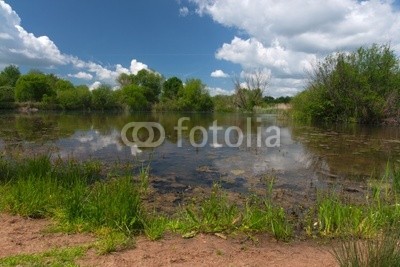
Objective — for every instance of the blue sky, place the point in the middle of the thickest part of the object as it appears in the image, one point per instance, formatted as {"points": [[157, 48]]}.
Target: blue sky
{"points": [[92, 41]]}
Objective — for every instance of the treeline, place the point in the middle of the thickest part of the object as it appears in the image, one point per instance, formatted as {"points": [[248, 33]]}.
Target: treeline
{"points": [[141, 92], [147, 90], [362, 86]]}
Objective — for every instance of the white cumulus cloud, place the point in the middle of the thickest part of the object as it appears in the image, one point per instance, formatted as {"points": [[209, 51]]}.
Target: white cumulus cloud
{"points": [[137, 66], [219, 91], [95, 85], [17, 46], [288, 37], [183, 11], [81, 75], [219, 74]]}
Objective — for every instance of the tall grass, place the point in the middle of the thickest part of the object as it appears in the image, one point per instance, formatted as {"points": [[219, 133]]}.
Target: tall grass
{"points": [[115, 204], [381, 251], [75, 193]]}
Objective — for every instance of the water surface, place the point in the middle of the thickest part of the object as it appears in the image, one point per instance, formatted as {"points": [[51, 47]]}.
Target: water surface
{"points": [[307, 155]]}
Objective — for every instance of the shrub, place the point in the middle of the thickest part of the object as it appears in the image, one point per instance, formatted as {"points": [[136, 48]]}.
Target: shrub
{"points": [[361, 86]]}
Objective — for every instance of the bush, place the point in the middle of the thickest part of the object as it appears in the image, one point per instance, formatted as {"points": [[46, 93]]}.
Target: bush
{"points": [[362, 86], [32, 87], [76, 98], [6, 94], [104, 98]]}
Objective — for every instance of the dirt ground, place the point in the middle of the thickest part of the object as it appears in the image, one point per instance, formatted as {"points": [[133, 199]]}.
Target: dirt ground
{"points": [[21, 236]]}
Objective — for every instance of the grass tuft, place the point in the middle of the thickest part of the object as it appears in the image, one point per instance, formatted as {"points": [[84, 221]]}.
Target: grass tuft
{"points": [[381, 251]]}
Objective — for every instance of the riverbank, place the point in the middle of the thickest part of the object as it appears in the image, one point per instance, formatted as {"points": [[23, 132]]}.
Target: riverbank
{"points": [[21, 236], [116, 209]]}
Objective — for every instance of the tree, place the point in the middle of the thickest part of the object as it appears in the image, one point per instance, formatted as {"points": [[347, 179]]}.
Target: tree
{"points": [[124, 80], [250, 89], [134, 97], [75, 98], [7, 94], [9, 76], [194, 97], [32, 87], [103, 98], [151, 82], [62, 85], [171, 87]]}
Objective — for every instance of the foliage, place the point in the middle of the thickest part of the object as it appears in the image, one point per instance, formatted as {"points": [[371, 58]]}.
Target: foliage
{"points": [[362, 86], [75, 98], [103, 98], [149, 82], [279, 100], [7, 93], [32, 87], [138, 92], [134, 97], [9, 76], [63, 85], [194, 97], [224, 103], [171, 88]]}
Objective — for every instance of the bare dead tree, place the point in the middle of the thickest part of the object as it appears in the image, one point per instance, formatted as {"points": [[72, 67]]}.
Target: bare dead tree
{"points": [[250, 88]]}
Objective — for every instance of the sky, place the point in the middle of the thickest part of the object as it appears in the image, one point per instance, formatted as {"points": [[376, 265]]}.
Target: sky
{"points": [[93, 41]]}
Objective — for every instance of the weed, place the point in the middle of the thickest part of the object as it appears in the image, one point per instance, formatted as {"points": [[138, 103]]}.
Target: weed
{"points": [[155, 227], [110, 240], [56, 257]]}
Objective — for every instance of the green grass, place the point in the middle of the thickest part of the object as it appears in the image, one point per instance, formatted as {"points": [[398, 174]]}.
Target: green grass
{"points": [[214, 214], [217, 215], [75, 194], [379, 252], [110, 240], [83, 199], [264, 216], [54, 258], [156, 226]]}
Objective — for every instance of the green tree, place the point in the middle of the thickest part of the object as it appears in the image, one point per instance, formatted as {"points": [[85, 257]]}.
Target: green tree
{"points": [[151, 82], [104, 98], [194, 97], [171, 87], [75, 98], [62, 85], [32, 87], [7, 94], [124, 80], [134, 97], [9, 76]]}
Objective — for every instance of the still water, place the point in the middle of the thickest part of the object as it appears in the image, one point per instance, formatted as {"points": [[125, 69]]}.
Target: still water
{"points": [[304, 155]]}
